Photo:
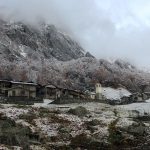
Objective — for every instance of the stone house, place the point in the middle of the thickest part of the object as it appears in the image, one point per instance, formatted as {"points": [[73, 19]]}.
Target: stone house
{"points": [[51, 92], [92, 95], [19, 92], [95, 95], [22, 89], [71, 94]]}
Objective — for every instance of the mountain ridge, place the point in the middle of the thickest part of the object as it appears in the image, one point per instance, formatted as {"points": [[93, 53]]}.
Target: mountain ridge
{"points": [[48, 56]]}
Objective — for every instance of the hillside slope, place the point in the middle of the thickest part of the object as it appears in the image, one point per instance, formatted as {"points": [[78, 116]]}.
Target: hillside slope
{"points": [[48, 56]]}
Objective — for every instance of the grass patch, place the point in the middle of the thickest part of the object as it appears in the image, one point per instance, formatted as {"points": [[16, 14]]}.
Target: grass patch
{"points": [[21, 106], [44, 112]]}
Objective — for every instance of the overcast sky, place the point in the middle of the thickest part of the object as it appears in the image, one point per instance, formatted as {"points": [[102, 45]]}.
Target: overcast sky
{"points": [[106, 28]]}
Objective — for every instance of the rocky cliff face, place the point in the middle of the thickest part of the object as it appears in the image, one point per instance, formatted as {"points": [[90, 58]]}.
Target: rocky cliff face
{"points": [[46, 55], [20, 39]]}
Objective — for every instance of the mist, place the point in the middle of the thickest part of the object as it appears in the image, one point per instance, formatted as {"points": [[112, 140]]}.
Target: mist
{"points": [[106, 28]]}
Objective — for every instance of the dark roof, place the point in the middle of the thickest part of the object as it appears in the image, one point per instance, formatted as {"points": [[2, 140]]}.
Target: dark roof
{"points": [[17, 88], [64, 88], [5, 81]]}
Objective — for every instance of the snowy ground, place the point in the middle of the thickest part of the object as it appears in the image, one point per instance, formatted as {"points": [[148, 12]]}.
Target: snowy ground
{"points": [[12, 112], [44, 104], [140, 107], [50, 123], [125, 110]]}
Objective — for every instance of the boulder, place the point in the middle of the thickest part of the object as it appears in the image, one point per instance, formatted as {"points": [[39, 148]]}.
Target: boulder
{"points": [[137, 129]]}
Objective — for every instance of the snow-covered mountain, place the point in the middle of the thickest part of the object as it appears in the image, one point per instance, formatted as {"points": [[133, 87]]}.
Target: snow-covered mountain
{"points": [[46, 55], [21, 40]]}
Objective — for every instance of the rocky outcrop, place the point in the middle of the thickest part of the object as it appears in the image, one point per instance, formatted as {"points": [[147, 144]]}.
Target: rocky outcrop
{"points": [[46, 40]]}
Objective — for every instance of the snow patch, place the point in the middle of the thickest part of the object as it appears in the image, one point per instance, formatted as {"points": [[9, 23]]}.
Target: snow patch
{"points": [[13, 112], [140, 107], [48, 128], [22, 51], [45, 103], [124, 122]]}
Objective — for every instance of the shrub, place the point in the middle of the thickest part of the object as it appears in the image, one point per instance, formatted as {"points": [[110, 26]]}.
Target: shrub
{"points": [[12, 134], [43, 111], [29, 117], [63, 129], [79, 111], [21, 106], [115, 112], [93, 122], [115, 135]]}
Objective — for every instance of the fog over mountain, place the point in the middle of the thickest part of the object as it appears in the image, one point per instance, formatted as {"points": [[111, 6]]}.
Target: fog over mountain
{"points": [[106, 28]]}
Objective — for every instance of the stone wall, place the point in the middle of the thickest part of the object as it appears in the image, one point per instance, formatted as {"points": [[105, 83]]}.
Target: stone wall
{"points": [[20, 100], [75, 100]]}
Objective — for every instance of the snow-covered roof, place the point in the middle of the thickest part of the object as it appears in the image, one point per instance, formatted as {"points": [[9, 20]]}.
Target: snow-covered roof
{"points": [[92, 93], [26, 83], [15, 82], [115, 94], [50, 86]]}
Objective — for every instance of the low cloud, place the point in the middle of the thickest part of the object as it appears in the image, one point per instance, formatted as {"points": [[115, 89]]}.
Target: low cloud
{"points": [[106, 28]]}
